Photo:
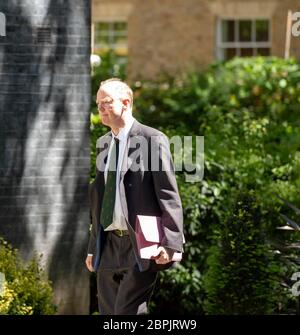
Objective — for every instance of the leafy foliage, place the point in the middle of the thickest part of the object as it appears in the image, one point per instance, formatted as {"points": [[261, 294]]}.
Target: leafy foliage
{"points": [[26, 289], [243, 273]]}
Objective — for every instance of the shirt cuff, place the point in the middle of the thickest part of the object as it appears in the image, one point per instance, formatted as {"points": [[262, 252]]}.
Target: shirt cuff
{"points": [[90, 254]]}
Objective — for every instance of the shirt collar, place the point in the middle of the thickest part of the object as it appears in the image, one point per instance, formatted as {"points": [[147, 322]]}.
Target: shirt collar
{"points": [[123, 133]]}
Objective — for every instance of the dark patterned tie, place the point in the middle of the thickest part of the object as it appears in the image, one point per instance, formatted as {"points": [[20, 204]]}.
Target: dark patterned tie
{"points": [[109, 196]]}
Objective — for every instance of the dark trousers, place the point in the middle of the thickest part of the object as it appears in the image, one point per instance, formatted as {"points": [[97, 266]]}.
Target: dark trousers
{"points": [[122, 288]]}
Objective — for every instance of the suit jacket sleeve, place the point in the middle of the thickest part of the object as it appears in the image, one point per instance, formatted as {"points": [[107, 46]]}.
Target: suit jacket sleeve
{"points": [[92, 205], [167, 194], [93, 229]]}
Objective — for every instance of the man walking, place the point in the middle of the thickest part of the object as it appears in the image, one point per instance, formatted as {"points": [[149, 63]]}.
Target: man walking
{"points": [[119, 193]]}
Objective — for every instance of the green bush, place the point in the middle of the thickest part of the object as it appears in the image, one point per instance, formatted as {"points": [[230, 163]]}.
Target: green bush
{"points": [[26, 290], [243, 275]]}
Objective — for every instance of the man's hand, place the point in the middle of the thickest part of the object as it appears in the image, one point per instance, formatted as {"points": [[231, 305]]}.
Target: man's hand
{"points": [[163, 255], [89, 263]]}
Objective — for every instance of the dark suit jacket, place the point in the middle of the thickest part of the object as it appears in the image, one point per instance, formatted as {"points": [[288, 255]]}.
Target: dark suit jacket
{"points": [[142, 192]]}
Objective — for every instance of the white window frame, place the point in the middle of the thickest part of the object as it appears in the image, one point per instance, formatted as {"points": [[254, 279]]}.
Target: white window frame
{"points": [[237, 44]]}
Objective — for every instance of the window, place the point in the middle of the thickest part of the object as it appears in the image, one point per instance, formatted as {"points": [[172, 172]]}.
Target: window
{"points": [[110, 35], [243, 38]]}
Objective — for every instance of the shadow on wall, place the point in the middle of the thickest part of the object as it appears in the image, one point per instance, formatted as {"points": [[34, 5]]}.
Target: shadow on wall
{"points": [[44, 140]]}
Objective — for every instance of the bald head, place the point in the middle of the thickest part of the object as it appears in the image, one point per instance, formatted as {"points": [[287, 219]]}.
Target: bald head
{"points": [[120, 88]]}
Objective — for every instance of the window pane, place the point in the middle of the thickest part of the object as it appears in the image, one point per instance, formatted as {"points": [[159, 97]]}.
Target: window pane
{"points": [[247, 52], [263, 51], [120, 26], [230, 53], [111, 35], [227, 31], [262, 30], [102, 39], [119, 40], [245, 31], [120, 33], [102, 26]]}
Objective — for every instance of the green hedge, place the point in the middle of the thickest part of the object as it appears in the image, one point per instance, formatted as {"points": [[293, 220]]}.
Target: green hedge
{"points": [[26, 290], [243, 272]]}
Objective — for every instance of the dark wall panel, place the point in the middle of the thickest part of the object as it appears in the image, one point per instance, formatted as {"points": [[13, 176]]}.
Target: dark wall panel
{"points": [[44, 139]]}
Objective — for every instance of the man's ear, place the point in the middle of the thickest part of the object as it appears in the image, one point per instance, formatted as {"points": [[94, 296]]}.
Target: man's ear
{"points": [[126, 103]]}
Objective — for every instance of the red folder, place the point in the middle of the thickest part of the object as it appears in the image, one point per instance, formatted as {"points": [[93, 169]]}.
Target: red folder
{"points": [[149, 233]]}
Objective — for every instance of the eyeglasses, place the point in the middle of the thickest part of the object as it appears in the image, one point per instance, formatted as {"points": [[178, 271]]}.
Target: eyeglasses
{"points": [[106, 102]]}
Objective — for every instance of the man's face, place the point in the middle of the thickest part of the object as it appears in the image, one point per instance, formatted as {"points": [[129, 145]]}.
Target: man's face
{"points": [[111, 107]]}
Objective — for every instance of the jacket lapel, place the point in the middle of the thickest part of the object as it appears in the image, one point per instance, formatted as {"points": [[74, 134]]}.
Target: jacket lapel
{"points": [[103, 148], [128, 154], [126, 164]]}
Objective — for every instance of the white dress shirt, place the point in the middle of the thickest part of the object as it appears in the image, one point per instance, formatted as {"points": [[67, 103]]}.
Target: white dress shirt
{"points": [[118, 216]]}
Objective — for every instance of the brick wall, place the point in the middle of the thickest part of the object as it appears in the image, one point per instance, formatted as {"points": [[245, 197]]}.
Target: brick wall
{"points": [[44, 139], [168, 36]]}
